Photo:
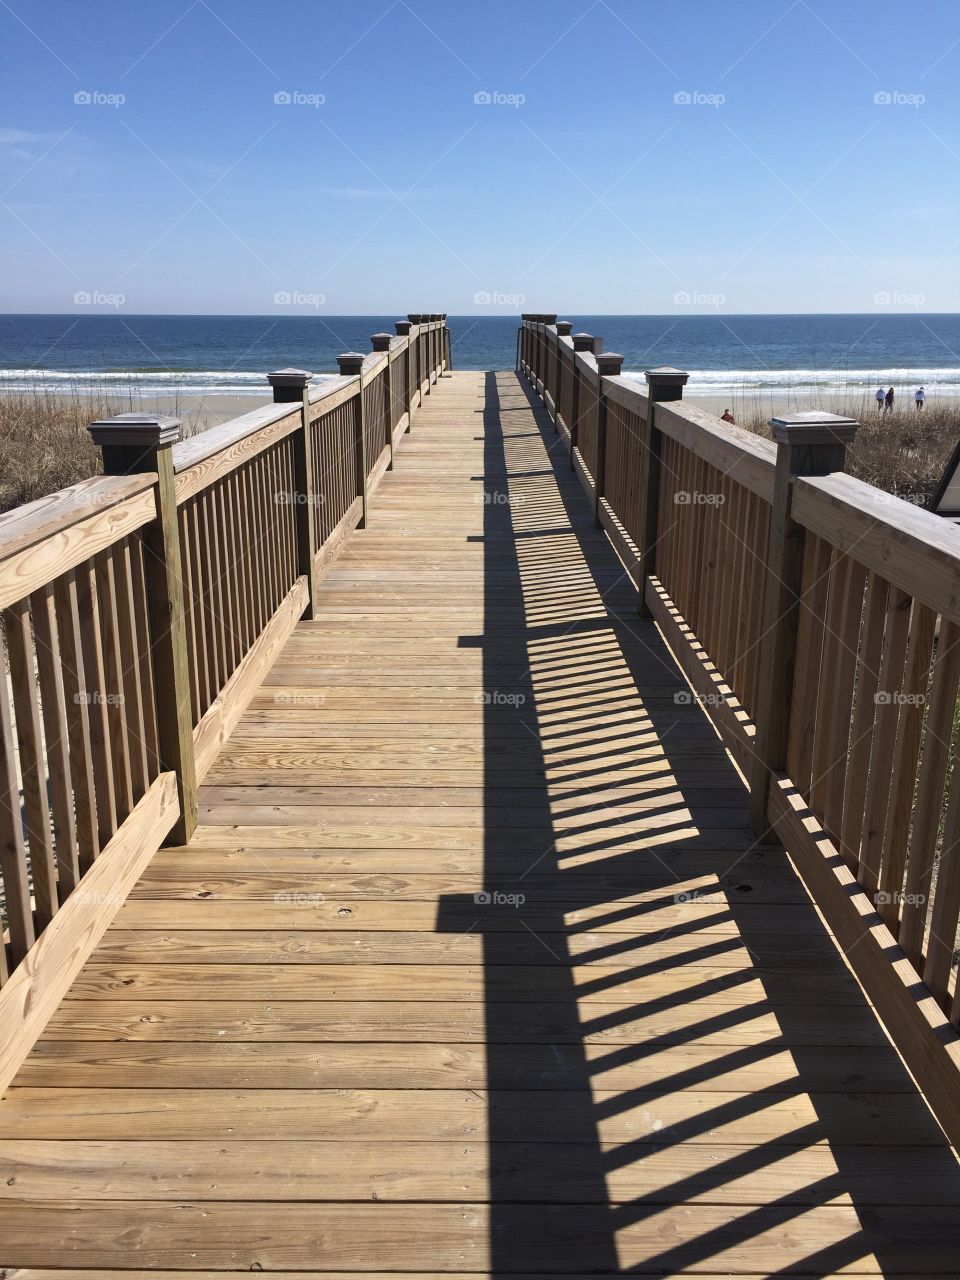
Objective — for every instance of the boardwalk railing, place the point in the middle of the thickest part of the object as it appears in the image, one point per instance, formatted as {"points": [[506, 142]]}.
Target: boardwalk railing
{"points": [[140, 609], [818, 622]]}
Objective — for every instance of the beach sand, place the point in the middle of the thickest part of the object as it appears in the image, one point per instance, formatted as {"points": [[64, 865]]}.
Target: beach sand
{"points": [[199, 413], [753, 404]]}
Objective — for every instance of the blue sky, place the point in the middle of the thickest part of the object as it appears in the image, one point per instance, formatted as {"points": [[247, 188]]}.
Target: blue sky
{"points": [[623, 156]]}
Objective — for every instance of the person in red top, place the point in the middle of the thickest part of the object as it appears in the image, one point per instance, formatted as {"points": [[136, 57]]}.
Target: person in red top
{"points": [[727, 416]]}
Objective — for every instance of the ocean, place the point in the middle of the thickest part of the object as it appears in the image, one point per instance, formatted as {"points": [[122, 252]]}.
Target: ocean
{"points": [[725, 355]]}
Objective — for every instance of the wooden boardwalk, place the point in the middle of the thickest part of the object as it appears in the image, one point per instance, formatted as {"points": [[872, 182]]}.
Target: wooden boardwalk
{"points": [[472, 966]]}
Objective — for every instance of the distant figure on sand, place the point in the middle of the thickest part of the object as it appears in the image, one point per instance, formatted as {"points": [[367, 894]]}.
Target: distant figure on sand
{"points": [[919, 396], [727, 416], [888, 400], [881, 396]]}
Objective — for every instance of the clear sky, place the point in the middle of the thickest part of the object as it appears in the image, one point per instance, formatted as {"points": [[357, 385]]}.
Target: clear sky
{"points": [[590, 156]]}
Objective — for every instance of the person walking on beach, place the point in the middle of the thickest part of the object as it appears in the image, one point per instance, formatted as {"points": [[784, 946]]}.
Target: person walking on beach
{"points": [[881, 396], [888, 400], [727, 416], [919, 396]]}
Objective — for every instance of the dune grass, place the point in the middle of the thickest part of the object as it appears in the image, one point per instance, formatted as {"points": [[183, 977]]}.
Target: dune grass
{"points": [[44, 445]]}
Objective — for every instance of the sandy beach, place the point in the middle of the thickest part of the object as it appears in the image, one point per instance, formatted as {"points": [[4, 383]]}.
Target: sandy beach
{"points": [[199, 413], [753, 404]]}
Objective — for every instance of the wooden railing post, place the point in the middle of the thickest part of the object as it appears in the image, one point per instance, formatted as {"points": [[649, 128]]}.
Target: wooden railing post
{"points": [[381, 342], [581, 342], [289, 386], [447, 346], [808, 444], [608, 366], [351, 365], [132, 443], [663, 385], [403, 331]]}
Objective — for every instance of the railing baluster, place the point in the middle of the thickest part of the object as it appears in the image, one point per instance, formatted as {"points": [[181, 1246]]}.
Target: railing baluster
{"points": [[55, 732], [351, 365], [13, 854], [20, 650]]}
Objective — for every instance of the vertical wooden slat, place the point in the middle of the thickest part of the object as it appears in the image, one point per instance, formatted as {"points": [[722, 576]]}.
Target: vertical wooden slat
{"points": [[274, 483], [864, 714], [248, 573], [185, 528], [803, 712], [114, 696], [95, 683], [215, 587], [194, 580], [55, 734], [827, 684], [929, 806], [203, 581], [884, 737], [903, 774], [77, 706], [257, 533], [33, 774], [140, 617], [846, 644], [13, 855], [231, 645], [946, 902], [133, 706]]}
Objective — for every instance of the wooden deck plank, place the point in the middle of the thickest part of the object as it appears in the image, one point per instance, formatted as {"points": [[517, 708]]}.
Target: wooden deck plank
{"points": [[240, 1169], [305, 1047], [557, 1239]]}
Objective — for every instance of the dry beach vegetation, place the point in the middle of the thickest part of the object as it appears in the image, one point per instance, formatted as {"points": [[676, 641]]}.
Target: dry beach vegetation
{"points": [[44, 444]]}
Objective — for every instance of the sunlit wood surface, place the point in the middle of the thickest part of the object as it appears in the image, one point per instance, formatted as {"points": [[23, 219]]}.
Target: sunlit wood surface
{"points": [[473, 966]]}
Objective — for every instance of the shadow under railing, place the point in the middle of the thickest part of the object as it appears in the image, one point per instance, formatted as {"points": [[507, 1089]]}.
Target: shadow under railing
{"points": [[669, 1025]]}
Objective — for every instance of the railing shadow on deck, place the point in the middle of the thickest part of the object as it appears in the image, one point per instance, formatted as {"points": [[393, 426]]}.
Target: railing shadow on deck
{"points": [[812, 1008]]}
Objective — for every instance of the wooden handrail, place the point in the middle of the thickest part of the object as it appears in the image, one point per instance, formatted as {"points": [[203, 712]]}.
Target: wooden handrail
{"points": [[818, 622], [140, 611]]}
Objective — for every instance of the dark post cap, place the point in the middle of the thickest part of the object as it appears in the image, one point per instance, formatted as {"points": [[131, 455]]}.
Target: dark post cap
{"points": [[380, 341], [609, 364], [415, 318], [551, 319], [583, 342], [666, 376], [142, 430], [814, 427], [351, 362], [402, 327], [289, 378], [564, 328]]}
